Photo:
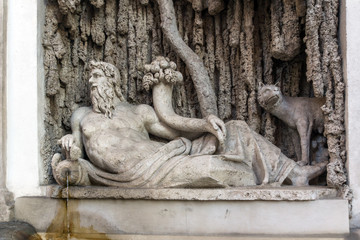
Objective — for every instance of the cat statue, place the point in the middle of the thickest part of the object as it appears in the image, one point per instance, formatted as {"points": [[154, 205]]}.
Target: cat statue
{"points": [[300, 113]]}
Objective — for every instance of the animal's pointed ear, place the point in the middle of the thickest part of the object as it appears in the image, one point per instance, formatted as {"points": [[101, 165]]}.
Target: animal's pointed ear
{"points": [[277, 84], [260, 85]]}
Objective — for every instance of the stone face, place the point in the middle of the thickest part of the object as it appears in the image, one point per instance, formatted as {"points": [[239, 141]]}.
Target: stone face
{"points": [[246, 38], [200, 153], [67, 105]]}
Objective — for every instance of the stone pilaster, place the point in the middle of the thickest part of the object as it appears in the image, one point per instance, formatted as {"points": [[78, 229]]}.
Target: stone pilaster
{"points": [[6, 205], [350, 48], [6, 198]]}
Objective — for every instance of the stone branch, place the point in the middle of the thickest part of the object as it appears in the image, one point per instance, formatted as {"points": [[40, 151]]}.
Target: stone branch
{"points": [[235, 47], [197, 70]]}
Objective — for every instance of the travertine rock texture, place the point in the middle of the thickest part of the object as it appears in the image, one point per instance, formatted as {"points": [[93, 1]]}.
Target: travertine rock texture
{"points": [[241, 43], [114, 135]]}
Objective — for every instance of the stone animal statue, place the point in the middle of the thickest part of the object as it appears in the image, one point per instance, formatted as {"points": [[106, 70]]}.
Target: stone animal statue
{"points": [[300, 113], [319, 150], [110, 142]]}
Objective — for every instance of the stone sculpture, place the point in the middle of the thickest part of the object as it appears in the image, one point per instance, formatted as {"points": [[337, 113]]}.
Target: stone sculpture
{"points": [[238, 47], [115, 137], [319, 150], [300, 113]]}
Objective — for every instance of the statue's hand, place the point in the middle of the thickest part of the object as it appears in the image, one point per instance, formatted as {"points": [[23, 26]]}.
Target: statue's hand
{"points": [[217, 127], [72, 151], [66, 142]]}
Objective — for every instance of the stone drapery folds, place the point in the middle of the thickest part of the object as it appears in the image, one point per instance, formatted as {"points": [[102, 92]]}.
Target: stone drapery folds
{"points": [[239, 43]]}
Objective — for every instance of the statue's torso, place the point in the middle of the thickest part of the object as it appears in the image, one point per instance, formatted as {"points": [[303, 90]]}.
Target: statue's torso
{"points": [[116, 144]]}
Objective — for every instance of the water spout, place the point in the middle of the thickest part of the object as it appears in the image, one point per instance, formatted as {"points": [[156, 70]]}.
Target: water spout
{"points": [[67, 206]]}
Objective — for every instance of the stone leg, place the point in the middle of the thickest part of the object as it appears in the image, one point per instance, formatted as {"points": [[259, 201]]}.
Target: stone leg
{"points": [[209, 171]]}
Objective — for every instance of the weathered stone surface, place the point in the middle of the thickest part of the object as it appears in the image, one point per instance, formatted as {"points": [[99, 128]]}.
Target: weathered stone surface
{"points": [[17, 231], [241, 36], [187, 237], [199, 218], [110, 144], [253, 193], [116, 216], [354, 234], [44, 215], [350, 52], [285, 30], [6, 205]]}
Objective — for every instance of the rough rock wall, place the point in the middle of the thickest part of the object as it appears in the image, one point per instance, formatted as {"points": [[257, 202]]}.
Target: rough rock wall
{"points": [[250, 41]]}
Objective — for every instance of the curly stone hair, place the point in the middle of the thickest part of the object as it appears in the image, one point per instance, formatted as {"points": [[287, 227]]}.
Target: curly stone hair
{"points": [[113, 75]]}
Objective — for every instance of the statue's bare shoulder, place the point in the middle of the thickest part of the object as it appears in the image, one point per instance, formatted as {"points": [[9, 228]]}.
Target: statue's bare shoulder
{"points": [[147, 113], [110, 143], [153, 124], [79, 114]]}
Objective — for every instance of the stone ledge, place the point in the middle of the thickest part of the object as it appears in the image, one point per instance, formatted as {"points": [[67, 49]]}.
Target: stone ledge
{"points": [[189, 218], [247, 193], [184, 237]]}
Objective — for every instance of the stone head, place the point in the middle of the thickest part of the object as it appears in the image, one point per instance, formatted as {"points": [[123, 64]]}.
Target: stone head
{"points": [[105, 86], [112, 74], [269, 95]]}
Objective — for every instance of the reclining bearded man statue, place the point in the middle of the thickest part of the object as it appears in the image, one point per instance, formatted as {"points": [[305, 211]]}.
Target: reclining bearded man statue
{"points": [[110, 143]]}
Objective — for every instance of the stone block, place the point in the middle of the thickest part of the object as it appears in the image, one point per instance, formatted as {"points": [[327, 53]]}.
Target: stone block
{"points": [[182, 237], [266, 193], [191, 218], [46, 215], [209, 218]]}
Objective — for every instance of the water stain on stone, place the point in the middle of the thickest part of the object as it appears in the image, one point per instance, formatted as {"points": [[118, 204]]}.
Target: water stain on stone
{"points": [[227, 213], [66, 216]]}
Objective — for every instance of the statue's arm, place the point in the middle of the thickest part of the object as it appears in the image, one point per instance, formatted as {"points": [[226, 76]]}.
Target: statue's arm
{"points": [[74, 139], [154, 126], [162, 98]]}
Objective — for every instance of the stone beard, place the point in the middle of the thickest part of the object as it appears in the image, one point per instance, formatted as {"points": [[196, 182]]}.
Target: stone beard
{"points": [[122, 154], [102, 99]]}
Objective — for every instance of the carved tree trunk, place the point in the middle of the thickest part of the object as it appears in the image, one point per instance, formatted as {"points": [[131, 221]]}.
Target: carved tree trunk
{"points": [[197, 70], [222, 59]]}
